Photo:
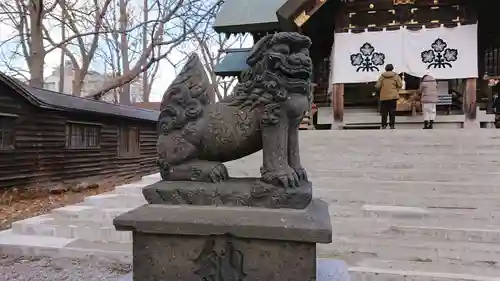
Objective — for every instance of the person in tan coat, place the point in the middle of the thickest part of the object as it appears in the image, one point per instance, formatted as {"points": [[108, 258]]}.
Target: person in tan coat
{"points": [[429, 98], [389, 84]]}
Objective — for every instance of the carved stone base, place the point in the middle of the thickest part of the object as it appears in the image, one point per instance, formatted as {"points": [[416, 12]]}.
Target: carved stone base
{"points": [[326, 270], [185, 242], [233, 192]]}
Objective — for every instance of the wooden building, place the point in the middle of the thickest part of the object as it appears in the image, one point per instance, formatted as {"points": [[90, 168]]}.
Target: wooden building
{"points": [[48, 138], [325, 20]]}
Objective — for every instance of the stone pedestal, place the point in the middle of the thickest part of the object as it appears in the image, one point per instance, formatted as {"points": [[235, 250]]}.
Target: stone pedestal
{"points": [[188, 243]]}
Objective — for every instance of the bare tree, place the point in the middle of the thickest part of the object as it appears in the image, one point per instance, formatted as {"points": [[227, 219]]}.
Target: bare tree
{"points": [[175, 22], [62, 63], [79, 19], [211, 46], [27, 17], [212, 53], [168, 24]]}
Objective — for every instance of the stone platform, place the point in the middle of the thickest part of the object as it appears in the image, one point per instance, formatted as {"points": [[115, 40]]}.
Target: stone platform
{"points": [[404, 205], [190, 242]]}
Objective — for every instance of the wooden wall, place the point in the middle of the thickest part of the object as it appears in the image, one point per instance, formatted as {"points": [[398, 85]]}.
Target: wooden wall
{"points": [[40, 156]]}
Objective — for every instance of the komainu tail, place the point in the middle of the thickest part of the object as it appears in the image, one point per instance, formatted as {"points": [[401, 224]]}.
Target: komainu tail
{"points": [[186, 97]]}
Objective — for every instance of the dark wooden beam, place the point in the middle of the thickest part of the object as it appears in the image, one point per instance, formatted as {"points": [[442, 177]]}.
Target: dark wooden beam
{"points": [[338, 103], [295, 13]]}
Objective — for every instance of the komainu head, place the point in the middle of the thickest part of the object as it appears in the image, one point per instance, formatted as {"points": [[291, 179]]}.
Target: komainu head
{"points": [[280, 65], [285, 57]]}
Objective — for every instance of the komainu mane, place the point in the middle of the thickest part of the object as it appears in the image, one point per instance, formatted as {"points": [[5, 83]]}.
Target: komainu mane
{"points": [[265, 111]]}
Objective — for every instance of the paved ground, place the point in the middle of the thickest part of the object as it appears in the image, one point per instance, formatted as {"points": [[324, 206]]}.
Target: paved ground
{"points": [[53, 269], [405, 205]]}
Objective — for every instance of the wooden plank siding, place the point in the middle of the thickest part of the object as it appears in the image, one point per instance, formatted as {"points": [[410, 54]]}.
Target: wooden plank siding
{"points": [[40, 156]]}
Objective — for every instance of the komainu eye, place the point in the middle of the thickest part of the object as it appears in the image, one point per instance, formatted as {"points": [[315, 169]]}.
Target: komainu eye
{"points": [[284, 49]]}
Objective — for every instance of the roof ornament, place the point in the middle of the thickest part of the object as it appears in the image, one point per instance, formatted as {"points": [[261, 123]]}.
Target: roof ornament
{"points": [[403, 2]]}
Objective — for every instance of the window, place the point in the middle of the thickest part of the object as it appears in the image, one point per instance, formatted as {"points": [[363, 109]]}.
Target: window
{"points": [[50, 86], [7, 132], [79, 135], [128, 138]]}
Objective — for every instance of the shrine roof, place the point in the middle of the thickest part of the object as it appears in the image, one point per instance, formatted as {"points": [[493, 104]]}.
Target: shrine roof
{"points": [[237, 16], [57, 101], [233, 63]]}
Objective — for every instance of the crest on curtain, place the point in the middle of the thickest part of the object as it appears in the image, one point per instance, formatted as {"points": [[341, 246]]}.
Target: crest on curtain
{"points": [[439, 56], [367, 59]]}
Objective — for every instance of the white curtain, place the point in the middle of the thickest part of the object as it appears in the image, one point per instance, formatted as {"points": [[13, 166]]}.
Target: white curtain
{"points": [[361, 57], [445, 53]]}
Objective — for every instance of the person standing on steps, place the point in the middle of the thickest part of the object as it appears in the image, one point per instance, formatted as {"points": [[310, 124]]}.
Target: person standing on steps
{"points": [[389, 83], [429, 98], [496, 109]]}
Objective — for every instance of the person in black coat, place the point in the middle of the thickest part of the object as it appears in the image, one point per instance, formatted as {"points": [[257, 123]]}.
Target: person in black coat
{"points": [[496, 109]]}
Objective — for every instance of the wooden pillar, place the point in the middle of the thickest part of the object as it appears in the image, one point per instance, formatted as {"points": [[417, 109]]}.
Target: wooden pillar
{"points": [[470, 106], [338, 103], [489, 94]]}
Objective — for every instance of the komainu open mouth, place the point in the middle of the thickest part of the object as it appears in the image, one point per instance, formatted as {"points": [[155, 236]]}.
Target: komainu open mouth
{"points": [[294, 73]]}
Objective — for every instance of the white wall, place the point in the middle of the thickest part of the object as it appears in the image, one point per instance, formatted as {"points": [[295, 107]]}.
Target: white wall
{"points": [[93, 81]]}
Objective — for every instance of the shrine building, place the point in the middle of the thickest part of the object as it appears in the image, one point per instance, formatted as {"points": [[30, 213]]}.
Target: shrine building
{"points": [[455, 41]]}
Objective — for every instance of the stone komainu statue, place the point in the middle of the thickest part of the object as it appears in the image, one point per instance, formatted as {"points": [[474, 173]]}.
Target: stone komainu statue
{"points": [[264, 112]]}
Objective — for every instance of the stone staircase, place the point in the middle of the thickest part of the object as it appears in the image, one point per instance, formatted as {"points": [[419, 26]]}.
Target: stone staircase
{"points": [[405, 205], [368, 118]]}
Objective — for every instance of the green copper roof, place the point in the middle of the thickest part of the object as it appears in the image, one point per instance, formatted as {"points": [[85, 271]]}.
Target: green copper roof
{"points": [[248, 15], [233, 63]]}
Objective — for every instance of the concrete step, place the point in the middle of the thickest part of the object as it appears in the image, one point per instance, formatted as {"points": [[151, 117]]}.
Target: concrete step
{"points": [[421, 187], [414, 166], [152, 178], [428, 229], [95, 224], [437, 134], [482, 139], [133, 188], [408, 199], [452, 149], [28, 245], [318, 158], [87, 213], [114, 200], [398, 165], [384, 140], [336, 152], [377, 211], [445, 233], [377, 274], [404, 175], [475, 269], [477, 215], [391, 248], [471, 217], [88, 231]]}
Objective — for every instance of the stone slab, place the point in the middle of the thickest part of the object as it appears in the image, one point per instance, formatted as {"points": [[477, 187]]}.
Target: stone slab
{"points": [[326, 270], [394, 248], [435, 267], [395, 211], [7, 238], [311, 224], [446, 233], [251, 192], [115, 200], [376, 274], [221, 257]]}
